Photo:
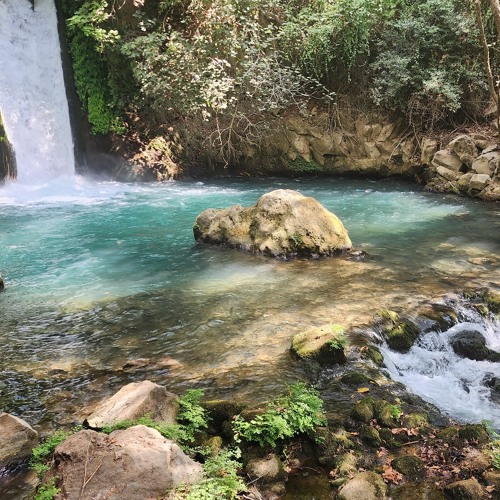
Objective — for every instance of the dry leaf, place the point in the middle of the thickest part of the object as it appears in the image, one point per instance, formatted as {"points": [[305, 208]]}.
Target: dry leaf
{"points": [[362, 390], [392, 476]]}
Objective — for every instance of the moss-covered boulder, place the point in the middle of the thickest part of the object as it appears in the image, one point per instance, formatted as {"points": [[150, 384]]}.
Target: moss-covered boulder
{"points": [[363, 411], [354, 378], [324, 345], [411, 466], [387, 415], [283, 224], [468, 489], [363, 486], [370, 436], [476, 433], [401, 336]]}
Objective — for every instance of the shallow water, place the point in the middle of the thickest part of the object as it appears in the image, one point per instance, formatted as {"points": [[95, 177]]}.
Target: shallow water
{"points": [[104, 284]]}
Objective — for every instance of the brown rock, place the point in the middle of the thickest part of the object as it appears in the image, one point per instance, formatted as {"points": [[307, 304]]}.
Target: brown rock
{"points": [[479, 181], [267, 470], [283, 223], [363, 486], [445, 158], [17, 439], [486, 163], [133, 401], [129, 464], [465, 148], [468, 489]]}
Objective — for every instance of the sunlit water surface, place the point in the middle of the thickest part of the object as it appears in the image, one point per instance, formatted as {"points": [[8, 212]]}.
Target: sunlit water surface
{"points": [[105, 285]]}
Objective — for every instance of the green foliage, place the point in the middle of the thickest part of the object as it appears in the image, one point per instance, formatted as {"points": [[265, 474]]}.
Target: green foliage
{"points": [[418, 69], [192, 418], [340, 340], [494, 444], [396, 412], [100, 88], [221, 479], [43, 452], [297, 412], [47, 491], [326, 36]]}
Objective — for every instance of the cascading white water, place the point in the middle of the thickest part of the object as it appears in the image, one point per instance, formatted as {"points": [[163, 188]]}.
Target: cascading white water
{"points": [[32, 93], [454, 384]]}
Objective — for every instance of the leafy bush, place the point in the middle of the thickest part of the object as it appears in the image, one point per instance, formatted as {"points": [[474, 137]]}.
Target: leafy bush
{"points": [[297, 412], [47, 491], [41, 454], [418, 69], [221, 479]]}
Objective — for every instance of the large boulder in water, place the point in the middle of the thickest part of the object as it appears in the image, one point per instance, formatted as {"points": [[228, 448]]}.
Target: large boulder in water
{"points": [[472, 345], [283, 223], [134, 463]]}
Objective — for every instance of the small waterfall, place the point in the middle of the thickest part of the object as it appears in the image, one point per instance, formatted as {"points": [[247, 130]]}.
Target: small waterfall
{"points": [[465, 389], [32, 94]]}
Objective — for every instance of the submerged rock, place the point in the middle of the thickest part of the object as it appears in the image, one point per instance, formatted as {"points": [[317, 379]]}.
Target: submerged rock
{"points": [[133, 401], [133, 463], [468, 489], [363, 486], [324, 344], [283, 223], [17, 438]]}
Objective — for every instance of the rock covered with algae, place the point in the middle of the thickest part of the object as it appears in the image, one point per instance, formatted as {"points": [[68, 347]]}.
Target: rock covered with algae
{"points": [[282, 224]]}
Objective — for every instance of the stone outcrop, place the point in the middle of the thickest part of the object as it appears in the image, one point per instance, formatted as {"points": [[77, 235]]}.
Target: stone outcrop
{"points": [[283, 224], [133, 401], [17, 438], [469, 165], [133, 463]]}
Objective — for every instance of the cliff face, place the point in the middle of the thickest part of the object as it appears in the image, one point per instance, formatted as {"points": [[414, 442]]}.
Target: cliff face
{"points": [[7, 156]]}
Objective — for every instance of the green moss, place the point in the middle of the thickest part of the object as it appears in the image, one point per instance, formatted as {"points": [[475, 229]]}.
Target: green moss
{"points": [[474, 432], [492, 300], [375, 355], [371, 436], [363, 411], [354, 378], [410, 466], [302, 166], [415, 420], [401, 336], [324, 344], [387, 415]]}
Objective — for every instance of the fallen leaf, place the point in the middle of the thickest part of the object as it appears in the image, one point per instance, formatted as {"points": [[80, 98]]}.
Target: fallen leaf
{"points": [[362, 390]]}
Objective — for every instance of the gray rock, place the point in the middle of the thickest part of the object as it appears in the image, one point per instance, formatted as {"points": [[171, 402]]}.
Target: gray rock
{"points": [[133, 401], [428, 150], [487, 163], [267, 470], [2, 284], [128, 464], [447, 159], [363, 486], [465, 148], [472, 345], [468, 489], [17, 439], [446, 173], [283, 223], [479, 181]]}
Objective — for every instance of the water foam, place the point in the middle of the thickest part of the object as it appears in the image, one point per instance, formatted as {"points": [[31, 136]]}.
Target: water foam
{"points": [[32, 93]]}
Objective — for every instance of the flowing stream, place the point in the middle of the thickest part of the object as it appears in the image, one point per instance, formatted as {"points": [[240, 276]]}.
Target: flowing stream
{"points": [[105, 285]]}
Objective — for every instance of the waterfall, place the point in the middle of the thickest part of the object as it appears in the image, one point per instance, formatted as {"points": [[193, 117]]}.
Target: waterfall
{"points": [[32, 93]]}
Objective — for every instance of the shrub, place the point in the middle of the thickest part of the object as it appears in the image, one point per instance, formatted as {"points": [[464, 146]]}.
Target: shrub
{"points": [[300, 411]]}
